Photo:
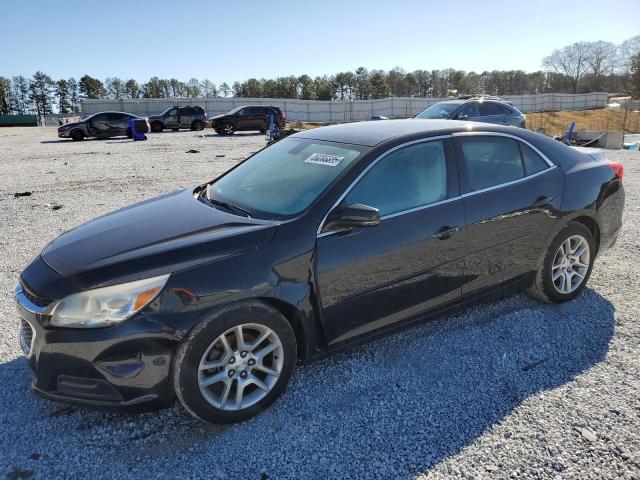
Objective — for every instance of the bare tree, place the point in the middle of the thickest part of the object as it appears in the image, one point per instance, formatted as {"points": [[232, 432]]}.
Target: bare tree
{"points": [[601, 59], [571, 61]]}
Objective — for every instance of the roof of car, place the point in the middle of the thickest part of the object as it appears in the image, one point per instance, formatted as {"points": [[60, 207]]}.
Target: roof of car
{"points": [[374, 132]]}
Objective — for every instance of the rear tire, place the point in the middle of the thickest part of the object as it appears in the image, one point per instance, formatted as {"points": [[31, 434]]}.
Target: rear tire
{"points": [[128, 133], [197, 125], [77, 135], [220, 380], [566, 267], [157, 127]]}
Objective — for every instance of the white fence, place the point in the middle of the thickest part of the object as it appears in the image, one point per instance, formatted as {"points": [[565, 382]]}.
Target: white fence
{"points": [[341, 111]]}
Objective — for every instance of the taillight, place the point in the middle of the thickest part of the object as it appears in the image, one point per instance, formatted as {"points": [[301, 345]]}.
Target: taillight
{"points": [[618, 168], [281, 114]]}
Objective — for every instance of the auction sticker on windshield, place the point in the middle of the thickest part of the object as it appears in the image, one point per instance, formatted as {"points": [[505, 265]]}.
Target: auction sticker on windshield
{"points": [[324, 159]]}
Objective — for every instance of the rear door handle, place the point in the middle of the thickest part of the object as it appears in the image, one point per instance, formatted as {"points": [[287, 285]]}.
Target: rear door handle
{"points": [[445, 232], [542, 200]]}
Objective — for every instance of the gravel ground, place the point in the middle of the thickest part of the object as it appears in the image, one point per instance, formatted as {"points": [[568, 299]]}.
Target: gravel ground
{"points": [[512, 389]]}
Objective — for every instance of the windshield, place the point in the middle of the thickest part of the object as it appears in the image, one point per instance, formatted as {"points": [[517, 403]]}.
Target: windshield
{"points": [[285, 178], [439, 110]]}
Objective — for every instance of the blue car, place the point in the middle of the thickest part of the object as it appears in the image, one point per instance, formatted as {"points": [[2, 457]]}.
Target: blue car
{"points": [[476, 109]]}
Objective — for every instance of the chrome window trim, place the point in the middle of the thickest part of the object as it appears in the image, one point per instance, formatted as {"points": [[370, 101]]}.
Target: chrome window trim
{"points": [[371, 165], [551, 166], [507, 135]]}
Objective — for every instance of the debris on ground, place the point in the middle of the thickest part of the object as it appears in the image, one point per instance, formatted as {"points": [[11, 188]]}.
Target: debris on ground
{"points": [[22, 194], [192, 151], [588, 435], [220, 156], [53, 205]]}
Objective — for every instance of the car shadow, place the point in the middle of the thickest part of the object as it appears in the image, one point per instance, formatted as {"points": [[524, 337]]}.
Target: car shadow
{"points": [[397, 406]]}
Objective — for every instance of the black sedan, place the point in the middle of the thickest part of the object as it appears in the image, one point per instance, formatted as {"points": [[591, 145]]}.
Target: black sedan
{"points": [[327, 238], [103, 125]]}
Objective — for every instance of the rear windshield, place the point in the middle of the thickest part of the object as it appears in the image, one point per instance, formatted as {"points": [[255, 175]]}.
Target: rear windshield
{"points": [[284, 179], [439, 110]]}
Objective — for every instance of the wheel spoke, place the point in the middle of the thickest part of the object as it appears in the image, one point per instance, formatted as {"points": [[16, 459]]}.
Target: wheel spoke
{"points": [[225, 392], [239, 338], [225, 344], [557, 273], [260, 339], [267, 370], [218, 377], [212, 364], [240, 384], [266, 350], [259, 383]]}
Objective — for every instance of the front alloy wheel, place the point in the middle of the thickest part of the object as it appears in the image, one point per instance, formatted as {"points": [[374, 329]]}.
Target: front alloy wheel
{"points": [[241, 367], [235, 364]]}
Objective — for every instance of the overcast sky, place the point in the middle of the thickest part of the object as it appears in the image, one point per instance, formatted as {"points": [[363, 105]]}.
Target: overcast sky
{"points": [[183, 39]]}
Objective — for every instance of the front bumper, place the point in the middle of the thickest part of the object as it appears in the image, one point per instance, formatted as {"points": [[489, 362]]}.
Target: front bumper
{"points": [[126, 365]]}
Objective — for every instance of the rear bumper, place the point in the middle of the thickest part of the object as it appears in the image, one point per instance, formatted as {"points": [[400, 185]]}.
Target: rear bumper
{"points": [[126, 366]]}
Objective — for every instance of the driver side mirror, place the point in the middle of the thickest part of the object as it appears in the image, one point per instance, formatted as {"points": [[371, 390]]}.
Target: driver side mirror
{"points": [[352, 216]]}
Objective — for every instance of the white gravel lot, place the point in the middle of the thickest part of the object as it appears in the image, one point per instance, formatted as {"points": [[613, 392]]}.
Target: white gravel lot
{"points": [[512, 389]]}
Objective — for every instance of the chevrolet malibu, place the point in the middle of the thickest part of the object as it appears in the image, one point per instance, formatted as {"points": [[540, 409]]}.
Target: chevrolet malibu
{"points": [[318, 242]]}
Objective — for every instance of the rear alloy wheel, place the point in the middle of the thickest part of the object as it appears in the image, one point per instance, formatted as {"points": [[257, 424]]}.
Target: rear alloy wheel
{"points": [[157, 127], [228, 129], [197, 125], [567, 265], [242, 370], [77, 135]]}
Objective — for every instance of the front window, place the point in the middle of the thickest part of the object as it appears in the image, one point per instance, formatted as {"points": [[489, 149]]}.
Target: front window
{"points": [[285, 178], [439, 110], [410, 177]]}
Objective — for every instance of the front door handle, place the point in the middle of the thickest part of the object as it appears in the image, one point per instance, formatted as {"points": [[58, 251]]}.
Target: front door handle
{"points": [[542, 201], [445, 232]]}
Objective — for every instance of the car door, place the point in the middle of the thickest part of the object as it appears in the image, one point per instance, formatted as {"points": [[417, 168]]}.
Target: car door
{"points": [[118, 124], [171, 119], [511, 196], [413, 260], [185, 117], [468, 111], [244, 119], [99, 125]]}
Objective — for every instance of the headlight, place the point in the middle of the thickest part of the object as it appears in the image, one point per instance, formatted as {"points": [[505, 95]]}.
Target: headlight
{"points": [[106, 306]]}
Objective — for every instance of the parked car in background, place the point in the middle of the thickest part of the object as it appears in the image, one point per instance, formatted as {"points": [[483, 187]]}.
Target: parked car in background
{"points": [[100, 125], [476, 109], [175, 118], [320, 241], [248, 117]]}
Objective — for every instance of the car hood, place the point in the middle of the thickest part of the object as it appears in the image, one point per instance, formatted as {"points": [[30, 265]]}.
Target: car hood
{"points": [[217, 117], [160, 235]]}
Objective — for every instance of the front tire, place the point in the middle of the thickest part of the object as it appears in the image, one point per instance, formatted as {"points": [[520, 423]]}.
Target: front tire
{"points": [[228, 129], [567, 265], [77, 135], [235, 364]]}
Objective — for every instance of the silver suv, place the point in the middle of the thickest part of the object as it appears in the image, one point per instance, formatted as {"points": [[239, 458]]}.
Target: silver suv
{"points": [[482, 108]]}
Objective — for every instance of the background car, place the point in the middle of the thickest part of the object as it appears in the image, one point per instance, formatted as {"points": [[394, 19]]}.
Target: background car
{"points": [[476, 109], [100, 125], [247, 118], [175, 118]]}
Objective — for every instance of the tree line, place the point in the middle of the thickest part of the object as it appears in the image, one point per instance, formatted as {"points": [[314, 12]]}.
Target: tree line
{"points": [[577, 68]]}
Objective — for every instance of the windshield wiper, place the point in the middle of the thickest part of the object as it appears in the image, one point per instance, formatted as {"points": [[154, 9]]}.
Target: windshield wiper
{"points": [[227, 205]]}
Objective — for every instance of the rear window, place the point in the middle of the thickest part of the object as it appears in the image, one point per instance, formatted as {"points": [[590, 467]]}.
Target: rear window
{"points": [[285, 178]]}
